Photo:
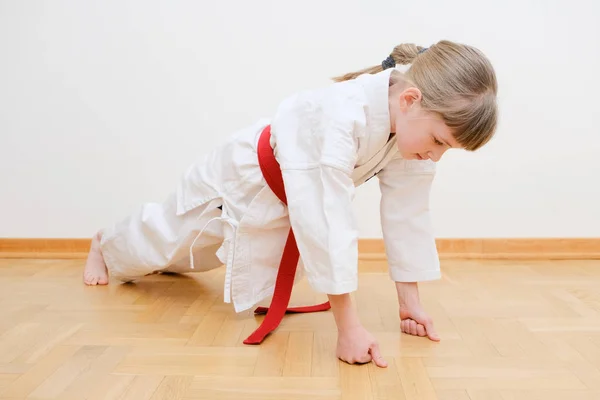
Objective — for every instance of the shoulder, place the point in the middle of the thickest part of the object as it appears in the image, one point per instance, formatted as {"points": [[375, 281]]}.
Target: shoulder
{"points": [[341, 100], [319, 127]]}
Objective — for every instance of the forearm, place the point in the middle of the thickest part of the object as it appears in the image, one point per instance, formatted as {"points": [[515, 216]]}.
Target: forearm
{"points": [[414, 320], [344, 312], [408, 293]]}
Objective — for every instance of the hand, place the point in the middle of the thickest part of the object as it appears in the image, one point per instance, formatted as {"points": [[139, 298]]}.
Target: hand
{"points": [[357, 345], [413, 319]]}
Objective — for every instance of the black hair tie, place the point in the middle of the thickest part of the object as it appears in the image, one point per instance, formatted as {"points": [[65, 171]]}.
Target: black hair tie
{"points": [[388, 63]]}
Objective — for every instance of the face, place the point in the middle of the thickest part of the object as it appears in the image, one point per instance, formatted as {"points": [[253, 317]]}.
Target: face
{"points": [[420, 135]]}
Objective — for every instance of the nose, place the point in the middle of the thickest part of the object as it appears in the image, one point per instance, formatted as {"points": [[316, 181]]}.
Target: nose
{"points": [[436, 155]]}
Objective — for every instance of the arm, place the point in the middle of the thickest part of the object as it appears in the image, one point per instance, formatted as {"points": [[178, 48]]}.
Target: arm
{"points": [[409, 239], [316, 149], [320, 212], [315, 144], [406, 221]]}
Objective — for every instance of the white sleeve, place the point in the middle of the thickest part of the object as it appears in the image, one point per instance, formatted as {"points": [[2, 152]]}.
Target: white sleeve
{"points": [[406, 221], [316, 147]]}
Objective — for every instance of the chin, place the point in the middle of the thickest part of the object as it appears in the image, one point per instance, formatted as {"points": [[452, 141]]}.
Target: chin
{"points": [[405, 155]]}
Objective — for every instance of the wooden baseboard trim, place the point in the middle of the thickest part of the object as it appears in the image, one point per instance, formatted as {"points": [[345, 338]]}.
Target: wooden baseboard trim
{"points": [[501, 248], [369, 249], [44, 248]]}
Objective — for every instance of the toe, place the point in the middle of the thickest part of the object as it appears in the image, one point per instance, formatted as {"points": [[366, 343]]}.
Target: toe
{"points": [[90, 279]]}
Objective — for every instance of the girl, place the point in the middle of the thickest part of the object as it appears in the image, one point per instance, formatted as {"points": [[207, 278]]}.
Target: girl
{"points": [[283, 188]]}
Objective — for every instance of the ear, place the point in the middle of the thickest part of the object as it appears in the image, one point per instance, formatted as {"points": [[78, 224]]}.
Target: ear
{"points": [[410, 97]]}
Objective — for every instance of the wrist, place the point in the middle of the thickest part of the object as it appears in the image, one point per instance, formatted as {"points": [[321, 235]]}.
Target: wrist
{"points": [[344, 313], [408, 294]]}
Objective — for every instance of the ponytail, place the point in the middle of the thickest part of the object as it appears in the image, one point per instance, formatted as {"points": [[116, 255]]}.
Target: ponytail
{"points": [[401, 55]]}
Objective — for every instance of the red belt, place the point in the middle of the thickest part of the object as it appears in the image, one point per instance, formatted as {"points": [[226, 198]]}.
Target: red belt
{"points": [[289, 261]]}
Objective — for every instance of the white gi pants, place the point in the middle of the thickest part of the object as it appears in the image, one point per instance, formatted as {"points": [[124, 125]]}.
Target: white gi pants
{"points": [[155, 238]]}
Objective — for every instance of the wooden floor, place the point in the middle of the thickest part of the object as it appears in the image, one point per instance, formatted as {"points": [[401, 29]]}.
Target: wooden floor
{"points": [[510, 331]]}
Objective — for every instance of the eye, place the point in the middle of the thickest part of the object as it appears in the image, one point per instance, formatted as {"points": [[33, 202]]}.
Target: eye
{"points": [[437, 141]]}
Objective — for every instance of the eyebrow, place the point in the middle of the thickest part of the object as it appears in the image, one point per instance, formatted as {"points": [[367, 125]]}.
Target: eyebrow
{"points": [[447, 143], [441, 139]]}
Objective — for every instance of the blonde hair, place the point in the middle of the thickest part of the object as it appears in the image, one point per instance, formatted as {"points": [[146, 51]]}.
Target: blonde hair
{"points": [[456, 81]]}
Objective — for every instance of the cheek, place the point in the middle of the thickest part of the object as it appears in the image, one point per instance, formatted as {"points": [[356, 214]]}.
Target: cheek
{"points": [[406, 146], [408, 142], [410, 139]]}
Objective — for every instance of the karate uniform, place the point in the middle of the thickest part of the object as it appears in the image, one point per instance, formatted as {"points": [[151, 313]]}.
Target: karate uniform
{"points": [[328, 142]]}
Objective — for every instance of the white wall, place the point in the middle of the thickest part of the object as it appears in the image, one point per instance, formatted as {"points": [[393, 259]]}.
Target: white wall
{"points": [[104, 104]]}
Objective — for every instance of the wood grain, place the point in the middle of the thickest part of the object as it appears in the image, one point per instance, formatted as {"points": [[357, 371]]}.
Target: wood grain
{"points": [[510, 330]]}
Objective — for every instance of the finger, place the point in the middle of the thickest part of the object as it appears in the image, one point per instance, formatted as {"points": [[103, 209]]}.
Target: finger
{"points": [[355, 360], [377, 357], [406, 323], [421, 331], [413, 327], [431, 331], [367, 358], [407, 326]]}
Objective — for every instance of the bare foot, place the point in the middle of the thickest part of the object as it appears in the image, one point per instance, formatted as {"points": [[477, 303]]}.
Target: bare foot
{"points": [[95, 272]]}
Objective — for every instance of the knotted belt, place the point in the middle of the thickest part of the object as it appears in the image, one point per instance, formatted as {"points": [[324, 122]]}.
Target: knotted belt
{"points": [[289, 261]]}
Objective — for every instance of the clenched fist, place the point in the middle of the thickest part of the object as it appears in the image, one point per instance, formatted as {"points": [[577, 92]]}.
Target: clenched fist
{"points": [[357, 346]]}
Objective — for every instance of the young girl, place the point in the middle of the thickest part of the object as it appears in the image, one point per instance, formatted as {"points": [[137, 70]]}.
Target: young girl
{"points": [[283, 188]]}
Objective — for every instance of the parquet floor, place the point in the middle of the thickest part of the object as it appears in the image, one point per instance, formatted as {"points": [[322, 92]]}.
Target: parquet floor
{"points": [[510, 331]]}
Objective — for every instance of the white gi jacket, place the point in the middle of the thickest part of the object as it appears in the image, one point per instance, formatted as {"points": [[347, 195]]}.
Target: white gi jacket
{"points": [[328, 142]]}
